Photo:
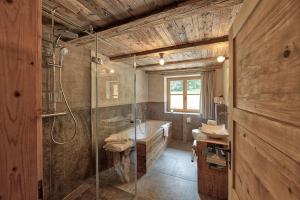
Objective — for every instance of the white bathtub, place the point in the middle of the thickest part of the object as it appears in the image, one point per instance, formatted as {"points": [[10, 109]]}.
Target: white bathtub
{"points": [[146, 130]]}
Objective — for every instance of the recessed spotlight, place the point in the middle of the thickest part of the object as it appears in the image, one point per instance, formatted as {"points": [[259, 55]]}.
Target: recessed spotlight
{"points": [[161, 59], [112, 71], [220, 59]]}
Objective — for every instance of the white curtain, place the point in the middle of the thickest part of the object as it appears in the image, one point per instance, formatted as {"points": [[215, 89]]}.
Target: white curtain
{"points": [[207, 97]]}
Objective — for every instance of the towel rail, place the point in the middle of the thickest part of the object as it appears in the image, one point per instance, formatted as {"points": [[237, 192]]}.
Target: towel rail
{"points": [[54, 114]]}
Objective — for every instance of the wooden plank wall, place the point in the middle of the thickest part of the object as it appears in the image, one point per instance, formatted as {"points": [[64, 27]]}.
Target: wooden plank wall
{"points": [[266, 103], [20, 102]]}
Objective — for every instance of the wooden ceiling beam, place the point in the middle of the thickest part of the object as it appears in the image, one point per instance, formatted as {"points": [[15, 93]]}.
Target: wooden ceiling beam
{"points": [[175, 47], [211, 59], [187, 70]]}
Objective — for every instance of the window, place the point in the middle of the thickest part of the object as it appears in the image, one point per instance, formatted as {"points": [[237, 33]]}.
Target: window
{"points": [[183, 94]]}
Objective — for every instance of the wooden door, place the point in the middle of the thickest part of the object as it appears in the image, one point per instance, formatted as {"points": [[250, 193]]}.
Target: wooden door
{"points": [[20, 99], [265, 101]]}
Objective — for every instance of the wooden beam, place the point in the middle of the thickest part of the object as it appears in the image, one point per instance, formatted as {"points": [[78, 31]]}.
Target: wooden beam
{"points": [[187, 70], [175, 47], [211, 59], [21, 99], [174, 12]]}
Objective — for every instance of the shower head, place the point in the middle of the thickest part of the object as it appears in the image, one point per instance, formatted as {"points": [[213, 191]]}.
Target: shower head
{"points": [[63, 51]]}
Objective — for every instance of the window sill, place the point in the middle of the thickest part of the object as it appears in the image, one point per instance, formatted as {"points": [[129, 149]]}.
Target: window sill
{"points": [[183, 113]]}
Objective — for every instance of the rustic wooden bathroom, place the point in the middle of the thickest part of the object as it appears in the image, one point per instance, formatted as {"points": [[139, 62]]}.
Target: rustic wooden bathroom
{"points": [[149, 100]]}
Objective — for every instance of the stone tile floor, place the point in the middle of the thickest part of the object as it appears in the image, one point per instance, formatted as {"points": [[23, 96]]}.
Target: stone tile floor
{"points": [[173, 177]]}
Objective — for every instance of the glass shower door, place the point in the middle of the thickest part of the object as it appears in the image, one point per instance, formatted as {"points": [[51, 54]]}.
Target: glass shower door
{"points": [[113, 125], [68, 159]]}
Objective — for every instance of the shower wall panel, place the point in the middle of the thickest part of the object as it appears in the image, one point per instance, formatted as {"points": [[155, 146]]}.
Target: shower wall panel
{"points": [[67, 166]]}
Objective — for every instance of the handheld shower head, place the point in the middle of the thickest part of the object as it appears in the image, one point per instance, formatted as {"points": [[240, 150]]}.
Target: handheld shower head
{"points": [[63, 51]]}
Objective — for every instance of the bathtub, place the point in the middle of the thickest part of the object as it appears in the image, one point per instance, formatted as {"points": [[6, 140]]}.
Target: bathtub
{"points": [[151, 142], [147, 130]]}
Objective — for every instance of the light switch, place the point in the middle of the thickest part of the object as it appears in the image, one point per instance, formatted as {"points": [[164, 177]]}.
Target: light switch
{"points": [[188, 120]]}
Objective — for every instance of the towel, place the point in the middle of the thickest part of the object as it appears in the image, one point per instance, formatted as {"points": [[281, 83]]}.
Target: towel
{"points": [[221, 132], [118, 147], [211, 122], [119, 137], [165, 129]]}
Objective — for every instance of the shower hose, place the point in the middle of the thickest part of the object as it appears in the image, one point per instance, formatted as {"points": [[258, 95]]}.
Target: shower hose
{"points": [[70, 111]]}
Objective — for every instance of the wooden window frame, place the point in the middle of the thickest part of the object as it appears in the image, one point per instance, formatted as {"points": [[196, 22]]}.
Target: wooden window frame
{"points": [[184, 79]]}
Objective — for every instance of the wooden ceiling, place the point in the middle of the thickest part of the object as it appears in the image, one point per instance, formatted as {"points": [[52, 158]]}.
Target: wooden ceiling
{"points": [[193, 31]]}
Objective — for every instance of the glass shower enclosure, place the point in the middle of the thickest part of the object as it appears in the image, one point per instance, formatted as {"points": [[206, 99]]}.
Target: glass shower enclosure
{"points": [[89, 146]]}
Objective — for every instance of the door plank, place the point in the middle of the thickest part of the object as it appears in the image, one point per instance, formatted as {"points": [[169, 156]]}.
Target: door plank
{"points": [[280, 135], [248, 185], [268, 52], [267, 167]]}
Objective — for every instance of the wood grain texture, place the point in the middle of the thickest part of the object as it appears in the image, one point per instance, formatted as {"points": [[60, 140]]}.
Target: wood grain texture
{"points": [[104, 14], [263, 172], [197, 61], [203, 52], [147, 27], [149, 151], [211, 182], [186, 24], [175, 47], [20, 102], [280, 135], [264, 101], [265, 61]]}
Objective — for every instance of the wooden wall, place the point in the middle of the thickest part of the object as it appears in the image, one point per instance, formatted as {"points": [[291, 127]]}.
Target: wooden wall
{"points": [[20, 102], [265, 126]]}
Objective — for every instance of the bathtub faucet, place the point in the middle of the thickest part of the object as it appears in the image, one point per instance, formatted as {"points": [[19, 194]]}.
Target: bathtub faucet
{"points": [[139, 121]]}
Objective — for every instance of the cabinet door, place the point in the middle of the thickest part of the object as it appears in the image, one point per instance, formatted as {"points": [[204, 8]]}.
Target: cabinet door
{"points": [[264, 113]]}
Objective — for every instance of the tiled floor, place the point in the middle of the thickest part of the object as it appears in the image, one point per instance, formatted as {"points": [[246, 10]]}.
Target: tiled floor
{"points": [[173, 177]]}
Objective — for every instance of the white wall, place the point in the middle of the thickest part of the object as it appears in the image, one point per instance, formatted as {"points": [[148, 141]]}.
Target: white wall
{"points": [[156, 88], [141, 86]]}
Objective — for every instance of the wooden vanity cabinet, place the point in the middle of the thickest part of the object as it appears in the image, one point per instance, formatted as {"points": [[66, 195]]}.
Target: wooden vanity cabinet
{"points": [[212, 181]]}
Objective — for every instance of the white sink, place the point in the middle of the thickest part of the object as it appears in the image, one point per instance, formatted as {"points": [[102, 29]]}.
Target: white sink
{"points": [[195, 133]]}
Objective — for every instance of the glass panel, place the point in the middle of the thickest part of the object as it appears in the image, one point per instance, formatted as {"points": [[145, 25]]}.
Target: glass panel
{"points": [[193, 102], [176, 87], [176, 102], [116, 111], [193, 86], [68, 161]]}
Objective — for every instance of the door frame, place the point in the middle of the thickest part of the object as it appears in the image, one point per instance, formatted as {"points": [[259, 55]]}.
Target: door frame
{"points": [[21, 168]]}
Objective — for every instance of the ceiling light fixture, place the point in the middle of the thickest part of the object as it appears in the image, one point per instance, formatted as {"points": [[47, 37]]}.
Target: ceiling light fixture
{"points": [[161, 60], [220, 59]]}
